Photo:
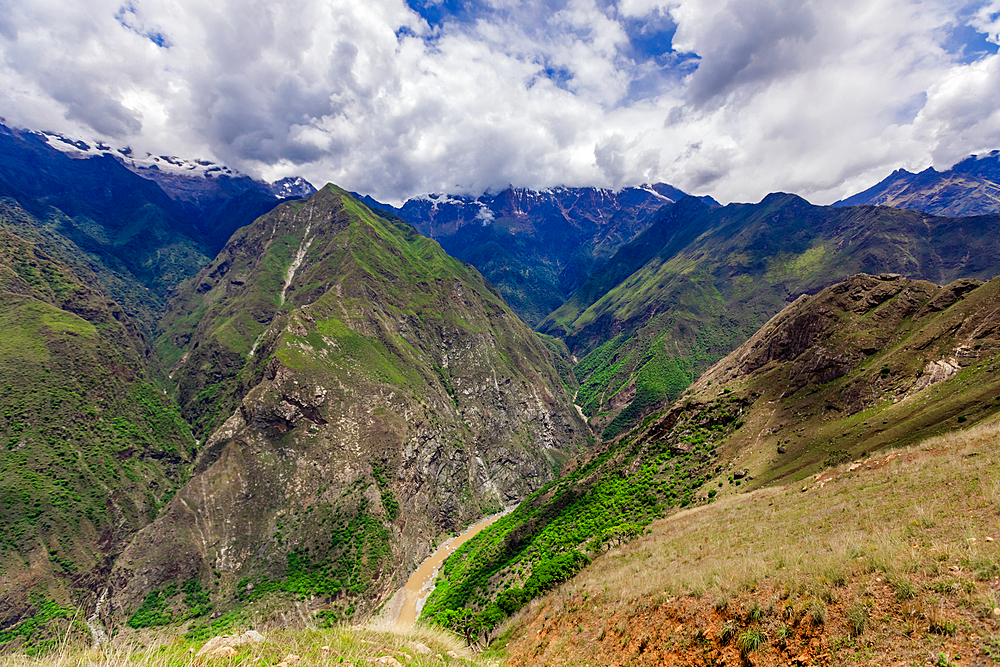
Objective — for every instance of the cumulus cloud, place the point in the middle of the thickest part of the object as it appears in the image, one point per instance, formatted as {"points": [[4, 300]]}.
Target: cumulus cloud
{"points": [[734, 98]]}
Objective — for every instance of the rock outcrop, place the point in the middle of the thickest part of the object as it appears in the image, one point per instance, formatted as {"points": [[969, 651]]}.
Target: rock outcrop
{"points": [[362, 393]]}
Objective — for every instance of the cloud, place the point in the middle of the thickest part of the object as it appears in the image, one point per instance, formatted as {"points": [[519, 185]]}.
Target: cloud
{"points": [[730, 97]]}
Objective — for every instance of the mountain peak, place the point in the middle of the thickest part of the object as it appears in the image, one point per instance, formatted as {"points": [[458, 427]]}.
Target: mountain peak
{"points": [[971, 187], [175, 174]]}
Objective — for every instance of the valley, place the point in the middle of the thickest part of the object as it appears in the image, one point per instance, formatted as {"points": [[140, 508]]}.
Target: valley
{"points": [[229, 404]]}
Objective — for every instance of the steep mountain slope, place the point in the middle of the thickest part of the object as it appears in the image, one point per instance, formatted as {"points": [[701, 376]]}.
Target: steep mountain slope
{"points": [[700, 281], [536, 246], [361, 392], [864, 364], [91, 449], [85, 206], [971, 187]]}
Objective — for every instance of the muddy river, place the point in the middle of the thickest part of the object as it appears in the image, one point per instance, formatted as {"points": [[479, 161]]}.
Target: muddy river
{"points": [[419, 585]]}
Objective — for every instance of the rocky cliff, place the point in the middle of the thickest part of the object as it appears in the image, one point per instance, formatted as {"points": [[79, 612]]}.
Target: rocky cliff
{"points": [[361, 393]]}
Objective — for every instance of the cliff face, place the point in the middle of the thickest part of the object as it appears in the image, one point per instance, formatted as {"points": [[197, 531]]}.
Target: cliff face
{"points": [[361, 393]]}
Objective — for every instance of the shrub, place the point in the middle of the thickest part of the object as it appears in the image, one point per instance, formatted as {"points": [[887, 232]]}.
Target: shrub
{"points": [[857, 618], [750, 640]]}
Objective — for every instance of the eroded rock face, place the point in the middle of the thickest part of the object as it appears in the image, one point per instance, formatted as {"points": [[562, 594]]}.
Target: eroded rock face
{"points": [[401, 402]]}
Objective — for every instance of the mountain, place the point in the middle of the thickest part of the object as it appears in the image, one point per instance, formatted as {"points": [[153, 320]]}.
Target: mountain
{"points": [[536, 246], [88, 207], [361, 395], [217, 199], [865, 364], [971, 187], [91, 448], [700, 281]]}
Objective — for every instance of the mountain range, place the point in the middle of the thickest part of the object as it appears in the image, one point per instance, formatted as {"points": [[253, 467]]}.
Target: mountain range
{"points": [[971, 187], [222, 397], [536, 247]]}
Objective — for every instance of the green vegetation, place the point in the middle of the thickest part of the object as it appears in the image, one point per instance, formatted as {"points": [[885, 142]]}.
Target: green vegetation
{"points": [[554, 532], [350, 563], [84, 431], [156, 609], [153, 612], [41, 631], [389, 502]]}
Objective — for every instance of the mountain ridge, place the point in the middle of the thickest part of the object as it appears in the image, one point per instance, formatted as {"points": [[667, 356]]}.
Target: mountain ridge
{"points": [[536, 246], [970, 187], [701, 280], [388, 388]]}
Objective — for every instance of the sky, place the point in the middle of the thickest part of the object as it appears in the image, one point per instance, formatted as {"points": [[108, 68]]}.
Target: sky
{"points": [[394, 98]]}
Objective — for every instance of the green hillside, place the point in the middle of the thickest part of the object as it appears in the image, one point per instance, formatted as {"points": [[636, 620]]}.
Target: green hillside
{"points": [[90, 449], [700, 281], [865, 364]]}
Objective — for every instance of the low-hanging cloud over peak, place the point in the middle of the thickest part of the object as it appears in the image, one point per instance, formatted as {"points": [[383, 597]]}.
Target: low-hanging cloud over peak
{"points": [[730, 97]]}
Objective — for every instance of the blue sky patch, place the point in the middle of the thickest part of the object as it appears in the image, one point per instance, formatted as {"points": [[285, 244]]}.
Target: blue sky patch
{"points": [[128, 18], [968, 44], [435, 13]]}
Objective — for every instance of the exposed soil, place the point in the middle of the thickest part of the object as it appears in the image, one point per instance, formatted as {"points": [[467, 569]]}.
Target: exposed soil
{"points": [[690, 631]]}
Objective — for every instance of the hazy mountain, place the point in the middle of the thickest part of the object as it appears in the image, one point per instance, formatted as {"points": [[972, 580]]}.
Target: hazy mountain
{"points": [[361, 392], [701, 280], [536, 246], [971, 187]]}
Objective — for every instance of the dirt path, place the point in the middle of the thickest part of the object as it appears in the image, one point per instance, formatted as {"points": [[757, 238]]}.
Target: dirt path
{"points": [[418, 586]]}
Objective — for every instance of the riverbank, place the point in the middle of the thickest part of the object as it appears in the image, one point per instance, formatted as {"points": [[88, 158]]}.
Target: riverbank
{"points": [[402, 610]]}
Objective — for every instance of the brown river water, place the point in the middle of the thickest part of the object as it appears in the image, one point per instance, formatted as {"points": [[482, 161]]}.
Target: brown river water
{"points": [[418, 586]]}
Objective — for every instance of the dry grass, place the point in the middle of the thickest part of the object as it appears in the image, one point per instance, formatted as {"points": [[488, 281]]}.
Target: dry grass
{"points": [[919, 510], [900, 554], [344, 646]]}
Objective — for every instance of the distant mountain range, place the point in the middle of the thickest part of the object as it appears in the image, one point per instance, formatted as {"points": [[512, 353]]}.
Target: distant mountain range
{"points": [[536, 246], [971, 187], [197, 181]]}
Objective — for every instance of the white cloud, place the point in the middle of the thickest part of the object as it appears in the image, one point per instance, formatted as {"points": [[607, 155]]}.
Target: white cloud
{"points": [[820, 97]]}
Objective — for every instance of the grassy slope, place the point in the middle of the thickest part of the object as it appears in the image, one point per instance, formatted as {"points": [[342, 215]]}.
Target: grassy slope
{"points": [[336, 646], [892, 561], [700, 281], [857, 388], [89, 448], [825, 382]]}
